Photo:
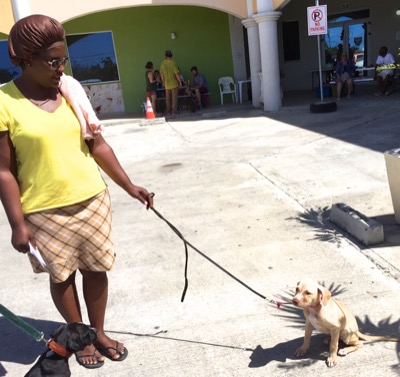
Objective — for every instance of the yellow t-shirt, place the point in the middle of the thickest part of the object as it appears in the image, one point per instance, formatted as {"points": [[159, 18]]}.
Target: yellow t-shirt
{"points": [[169, 70], [55, 167]]}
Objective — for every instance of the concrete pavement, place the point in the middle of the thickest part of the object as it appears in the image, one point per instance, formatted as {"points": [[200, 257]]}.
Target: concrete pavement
{"points": [[253, 192]]}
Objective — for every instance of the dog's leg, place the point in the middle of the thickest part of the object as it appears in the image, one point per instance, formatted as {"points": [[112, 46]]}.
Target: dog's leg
{"points": [[352, 348], [333, 348], [301, 351], [353, 344]]}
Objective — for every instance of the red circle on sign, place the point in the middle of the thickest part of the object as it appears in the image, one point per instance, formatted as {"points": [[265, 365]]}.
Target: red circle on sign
{"points": [[316, 15]]}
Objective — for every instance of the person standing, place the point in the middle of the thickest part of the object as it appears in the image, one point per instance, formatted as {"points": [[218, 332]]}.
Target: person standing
{"points": [[383, 71], [151, 84], [51, 188], [170, 78]]}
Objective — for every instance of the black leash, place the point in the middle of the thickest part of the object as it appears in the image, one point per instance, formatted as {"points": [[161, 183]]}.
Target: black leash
{"points": [[186, 243]]}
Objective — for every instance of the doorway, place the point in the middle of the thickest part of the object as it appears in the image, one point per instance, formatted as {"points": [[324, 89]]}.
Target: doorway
{"points": [[347, 33]]}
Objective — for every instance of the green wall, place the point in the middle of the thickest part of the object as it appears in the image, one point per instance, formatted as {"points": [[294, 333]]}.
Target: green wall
{"points": [[143, 34]]}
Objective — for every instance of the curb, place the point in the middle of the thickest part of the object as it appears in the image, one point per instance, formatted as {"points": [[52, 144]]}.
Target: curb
{"points": [[366, 230]]}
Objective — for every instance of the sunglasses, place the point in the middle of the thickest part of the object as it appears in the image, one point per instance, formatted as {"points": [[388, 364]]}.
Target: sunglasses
{"points": [[57, 63]]}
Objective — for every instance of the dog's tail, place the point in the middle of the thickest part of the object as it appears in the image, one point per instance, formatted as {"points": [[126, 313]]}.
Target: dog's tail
{"points": [[372, 338]]}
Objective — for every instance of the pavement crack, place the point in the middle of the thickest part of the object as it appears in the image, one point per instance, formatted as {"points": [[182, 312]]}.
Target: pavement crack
{"points": [[277, 187]]}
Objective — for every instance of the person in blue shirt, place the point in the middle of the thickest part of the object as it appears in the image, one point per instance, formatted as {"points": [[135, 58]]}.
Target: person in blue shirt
{"points": [[344, 75], [199, 85]]}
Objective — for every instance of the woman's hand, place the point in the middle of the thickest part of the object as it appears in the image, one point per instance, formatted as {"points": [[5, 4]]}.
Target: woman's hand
{"points": [[142, 195], [21, 237]]}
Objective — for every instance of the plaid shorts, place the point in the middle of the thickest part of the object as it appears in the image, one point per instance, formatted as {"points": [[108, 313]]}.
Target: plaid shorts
{"points": [[74, 237]]}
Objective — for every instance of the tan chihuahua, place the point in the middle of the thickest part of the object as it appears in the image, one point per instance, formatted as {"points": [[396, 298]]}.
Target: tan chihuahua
{"points": [[329, 316]]}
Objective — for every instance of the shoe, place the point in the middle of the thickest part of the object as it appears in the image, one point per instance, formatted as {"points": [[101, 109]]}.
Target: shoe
{"points": [[338, 99], [104, 351], [378, 94], [349, 96], [387, 93], [99, 364]]}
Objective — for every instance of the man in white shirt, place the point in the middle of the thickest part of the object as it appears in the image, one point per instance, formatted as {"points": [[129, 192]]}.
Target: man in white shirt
{"points": [[384, 70]]}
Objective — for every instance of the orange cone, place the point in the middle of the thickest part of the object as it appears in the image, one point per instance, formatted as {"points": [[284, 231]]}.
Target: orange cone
{"points": [[149, 110]]}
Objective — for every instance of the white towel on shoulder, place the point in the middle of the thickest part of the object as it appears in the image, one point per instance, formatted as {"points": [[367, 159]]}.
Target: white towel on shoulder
{"points": [[76, 96]]}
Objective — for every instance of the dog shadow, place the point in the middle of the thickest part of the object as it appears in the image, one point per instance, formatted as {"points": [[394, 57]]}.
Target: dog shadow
{"points": [[19, 347], [285, 353]]}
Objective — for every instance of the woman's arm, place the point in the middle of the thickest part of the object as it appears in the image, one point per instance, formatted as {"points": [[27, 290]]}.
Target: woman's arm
{"points": [[108, 162], [10, 196], [150, 76]]}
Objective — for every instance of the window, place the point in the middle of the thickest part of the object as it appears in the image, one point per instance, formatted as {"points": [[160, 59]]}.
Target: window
{"points": [[92, 57], [291, 40], [8, 71]]}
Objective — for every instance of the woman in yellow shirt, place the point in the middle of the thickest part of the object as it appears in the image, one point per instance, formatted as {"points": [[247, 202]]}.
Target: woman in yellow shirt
{"points": [[50, 184]]}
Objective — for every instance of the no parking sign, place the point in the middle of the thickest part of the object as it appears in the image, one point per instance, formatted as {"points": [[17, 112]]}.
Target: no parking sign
{"points": [[317, 20]]}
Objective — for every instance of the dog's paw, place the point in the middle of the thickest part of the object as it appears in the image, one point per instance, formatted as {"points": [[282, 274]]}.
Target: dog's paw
{"points": [[301, 351], [342, 352], [331, 361]]}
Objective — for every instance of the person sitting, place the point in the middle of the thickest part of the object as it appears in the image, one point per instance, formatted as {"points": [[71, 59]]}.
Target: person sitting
{"points": [[199, 85], [383, 72], [344, 75]]}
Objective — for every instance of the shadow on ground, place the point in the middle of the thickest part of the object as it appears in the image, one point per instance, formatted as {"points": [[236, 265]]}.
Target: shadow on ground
{"points": [[325, 230], [19, 347]]}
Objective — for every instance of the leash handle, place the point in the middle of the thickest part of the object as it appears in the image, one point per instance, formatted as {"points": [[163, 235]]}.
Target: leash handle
{"points": [[38, 335]]}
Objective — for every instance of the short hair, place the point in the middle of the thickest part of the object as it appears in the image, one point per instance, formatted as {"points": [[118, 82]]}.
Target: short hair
{"points": [[194, 68], [31, 35], [148, 65]]}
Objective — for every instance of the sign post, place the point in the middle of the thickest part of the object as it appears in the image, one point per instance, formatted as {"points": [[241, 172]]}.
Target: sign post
{"points": [[317, 18], [317, 25]]}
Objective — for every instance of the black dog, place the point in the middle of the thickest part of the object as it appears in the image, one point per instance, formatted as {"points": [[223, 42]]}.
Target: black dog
{"points": [[70, 338]]}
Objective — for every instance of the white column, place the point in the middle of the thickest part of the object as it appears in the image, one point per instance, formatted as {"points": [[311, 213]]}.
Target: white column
{"points": [[255, 59], [265, 6], [267, 26], [21, 9]]}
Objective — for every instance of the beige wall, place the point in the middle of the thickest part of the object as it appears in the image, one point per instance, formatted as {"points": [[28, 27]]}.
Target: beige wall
{"points": [[6, 16], [65, 11]]}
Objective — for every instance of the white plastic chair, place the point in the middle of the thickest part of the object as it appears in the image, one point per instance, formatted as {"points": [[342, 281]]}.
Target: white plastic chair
{"points": [[227, 86]]}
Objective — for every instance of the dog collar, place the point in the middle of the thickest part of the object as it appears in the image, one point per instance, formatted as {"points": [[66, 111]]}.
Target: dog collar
{"points": [[59, 350]]}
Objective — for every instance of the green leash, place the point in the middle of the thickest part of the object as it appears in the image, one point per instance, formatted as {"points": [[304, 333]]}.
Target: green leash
{"points": [[38, 335]]}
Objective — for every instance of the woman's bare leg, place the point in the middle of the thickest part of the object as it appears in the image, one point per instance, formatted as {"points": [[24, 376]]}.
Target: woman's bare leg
{"points": [[95, 292], [349, 87], [154, 102], [66, 300], [339, 89]]}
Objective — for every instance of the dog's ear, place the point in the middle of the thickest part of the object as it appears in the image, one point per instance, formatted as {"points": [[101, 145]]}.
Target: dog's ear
{"points": [[324, 293], [54, 335]]}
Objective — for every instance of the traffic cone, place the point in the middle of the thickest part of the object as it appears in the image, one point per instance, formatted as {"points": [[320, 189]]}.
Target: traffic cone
{"points": [[149, 110]]}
